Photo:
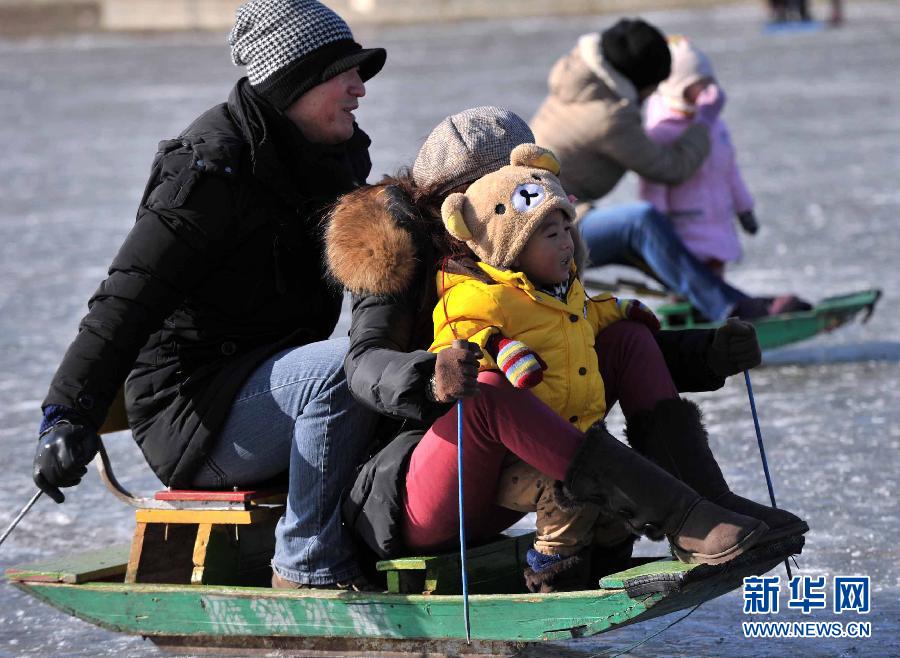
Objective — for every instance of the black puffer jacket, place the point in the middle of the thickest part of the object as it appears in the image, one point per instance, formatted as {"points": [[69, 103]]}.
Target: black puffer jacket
{"points": [[391, 274], [222, 269]]}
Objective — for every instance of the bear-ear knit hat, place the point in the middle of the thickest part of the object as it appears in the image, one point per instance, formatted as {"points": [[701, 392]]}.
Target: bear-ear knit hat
{"points": [[689, 65], [467, 145], [638, 51], [290, 46], [499, 212]]}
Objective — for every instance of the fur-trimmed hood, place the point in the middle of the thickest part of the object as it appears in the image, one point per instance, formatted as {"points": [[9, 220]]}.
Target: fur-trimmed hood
{"points": [[583, 76], [589, 49], [368, 245], [371, 246]]}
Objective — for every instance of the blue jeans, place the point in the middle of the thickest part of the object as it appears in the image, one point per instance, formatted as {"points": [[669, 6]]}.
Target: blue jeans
{"points": [[633, 232], [295, 413]]}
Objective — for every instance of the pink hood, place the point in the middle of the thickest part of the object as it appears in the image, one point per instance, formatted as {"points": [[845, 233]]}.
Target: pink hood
{"points": [[703, 208]]}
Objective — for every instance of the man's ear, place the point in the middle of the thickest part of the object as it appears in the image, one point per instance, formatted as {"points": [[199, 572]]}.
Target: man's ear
{"points": [[532, 155], [452, 213]]}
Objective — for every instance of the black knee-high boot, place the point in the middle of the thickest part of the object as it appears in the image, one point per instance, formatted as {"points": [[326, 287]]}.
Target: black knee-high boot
{"points": [[672, 435], [654, 503]]}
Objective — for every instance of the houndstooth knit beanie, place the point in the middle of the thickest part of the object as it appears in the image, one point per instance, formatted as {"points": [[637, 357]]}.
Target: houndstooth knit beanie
{"points": [[468, 145], [290, 46], [638, 51]]}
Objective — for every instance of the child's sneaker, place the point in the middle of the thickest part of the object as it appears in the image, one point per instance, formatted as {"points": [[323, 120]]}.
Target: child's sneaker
{"points": [[555, 573]]}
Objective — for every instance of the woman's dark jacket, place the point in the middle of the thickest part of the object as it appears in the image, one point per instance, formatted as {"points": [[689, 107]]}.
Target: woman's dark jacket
{"points": [[222, 269], [377, 248]]}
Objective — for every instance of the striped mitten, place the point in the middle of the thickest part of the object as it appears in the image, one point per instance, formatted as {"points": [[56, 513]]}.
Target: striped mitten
{"points": [[521, 365]]}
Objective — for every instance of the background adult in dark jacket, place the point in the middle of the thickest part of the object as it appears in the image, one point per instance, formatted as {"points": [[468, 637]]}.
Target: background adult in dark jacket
{"points": [[391, 273], [215, 313]]}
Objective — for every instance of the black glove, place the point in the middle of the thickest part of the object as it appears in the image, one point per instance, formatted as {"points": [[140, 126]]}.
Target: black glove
{"points": [[62, 453], [748, 221], [734, 348]]}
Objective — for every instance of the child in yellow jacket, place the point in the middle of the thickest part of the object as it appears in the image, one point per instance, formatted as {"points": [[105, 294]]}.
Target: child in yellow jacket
{"points": [[523, 304], [540, 338]]}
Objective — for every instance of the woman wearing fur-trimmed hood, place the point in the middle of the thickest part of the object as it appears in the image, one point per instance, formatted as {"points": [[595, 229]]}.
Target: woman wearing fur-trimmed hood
{"points": [[385, 244]]}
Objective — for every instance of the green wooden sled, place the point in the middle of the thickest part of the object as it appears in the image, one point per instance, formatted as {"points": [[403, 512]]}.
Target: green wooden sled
{"points": [[194, 579], [777, 330], [421, 612]]}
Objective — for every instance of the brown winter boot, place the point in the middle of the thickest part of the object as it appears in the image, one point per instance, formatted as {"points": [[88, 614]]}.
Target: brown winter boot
{"points": [[655, 504], [672, 435]]}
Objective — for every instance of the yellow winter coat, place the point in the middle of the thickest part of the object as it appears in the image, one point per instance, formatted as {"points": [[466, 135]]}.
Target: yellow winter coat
{"points": [[561, 333]]}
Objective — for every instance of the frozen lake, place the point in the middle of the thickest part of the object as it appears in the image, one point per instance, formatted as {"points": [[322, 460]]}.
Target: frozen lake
{"points": [[816, 117]]}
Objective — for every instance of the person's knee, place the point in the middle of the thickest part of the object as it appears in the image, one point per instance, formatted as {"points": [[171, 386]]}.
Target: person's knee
{"points": [[621, 343], [494, 391], [640, 221], [649, 218], [323, 360], [623, 334], [333, 353], [493, 384]]}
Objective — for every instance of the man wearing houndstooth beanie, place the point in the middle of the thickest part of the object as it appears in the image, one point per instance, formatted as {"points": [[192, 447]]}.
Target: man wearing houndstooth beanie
{"points": [[217, 309], [289, 46]]}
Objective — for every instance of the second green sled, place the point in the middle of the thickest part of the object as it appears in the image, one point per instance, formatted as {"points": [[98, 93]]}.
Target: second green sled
{"points": [[786, 328]]}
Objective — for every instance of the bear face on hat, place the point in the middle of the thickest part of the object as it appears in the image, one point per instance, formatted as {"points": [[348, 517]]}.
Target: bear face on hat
{"points": [[500, 211]]}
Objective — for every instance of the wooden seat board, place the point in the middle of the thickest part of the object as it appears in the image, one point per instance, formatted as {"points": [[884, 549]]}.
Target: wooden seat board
{"points": [[504, 544], [218, 496], [237, 516], [494, 567]]}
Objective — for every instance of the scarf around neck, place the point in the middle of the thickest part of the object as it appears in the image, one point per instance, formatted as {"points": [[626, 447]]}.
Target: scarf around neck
{"points": [[285, 161]]}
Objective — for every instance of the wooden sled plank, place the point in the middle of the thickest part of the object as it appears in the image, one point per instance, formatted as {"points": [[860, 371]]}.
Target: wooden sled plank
{"points": [[79, 568]]}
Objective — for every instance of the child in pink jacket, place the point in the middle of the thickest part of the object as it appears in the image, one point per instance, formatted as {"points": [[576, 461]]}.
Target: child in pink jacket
{"points": [[703, 208]]}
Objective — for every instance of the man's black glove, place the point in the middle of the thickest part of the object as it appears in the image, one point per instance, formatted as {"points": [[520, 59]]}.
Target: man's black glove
{"points": [[62, 454], [734, 348]]}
